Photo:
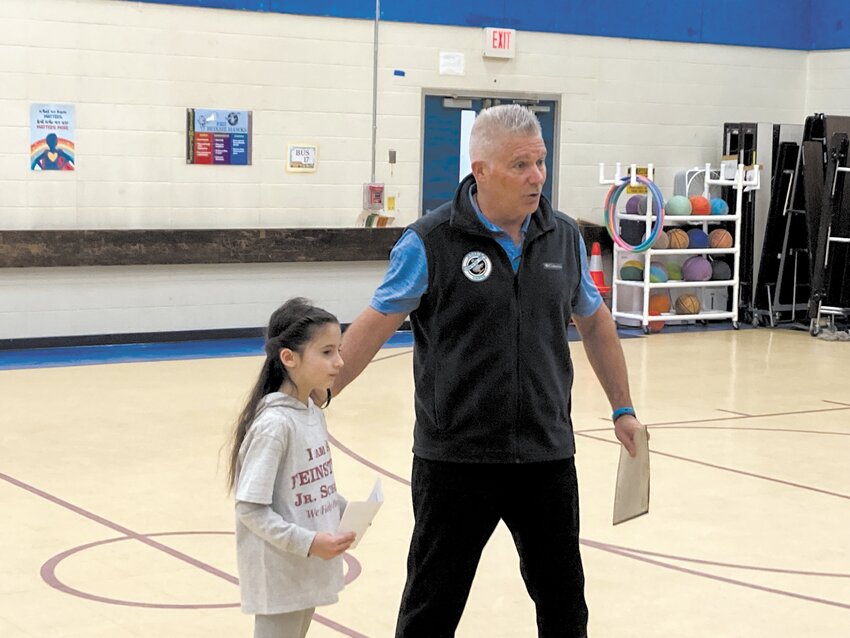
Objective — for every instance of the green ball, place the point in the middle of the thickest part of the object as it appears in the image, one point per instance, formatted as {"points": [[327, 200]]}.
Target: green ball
{"points": [[678, 205], [674, 271]]}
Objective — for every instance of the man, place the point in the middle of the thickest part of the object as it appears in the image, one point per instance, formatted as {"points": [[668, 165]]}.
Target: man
{"points": [[490, 281]]}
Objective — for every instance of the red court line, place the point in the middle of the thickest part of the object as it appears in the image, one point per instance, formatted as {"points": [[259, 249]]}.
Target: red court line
{"points": [[714, 563], [754, 416], [157, 545], [363, 460], [728, 469], [635, 555], [743, 414], [836, 402]]}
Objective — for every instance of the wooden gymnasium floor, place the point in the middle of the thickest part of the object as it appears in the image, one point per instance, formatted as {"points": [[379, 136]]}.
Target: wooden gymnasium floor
{"points": [[116, 522]]}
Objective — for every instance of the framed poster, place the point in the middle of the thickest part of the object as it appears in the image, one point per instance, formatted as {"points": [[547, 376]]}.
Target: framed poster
{"points": [[52, 136], [301, 158], [218, 137]]}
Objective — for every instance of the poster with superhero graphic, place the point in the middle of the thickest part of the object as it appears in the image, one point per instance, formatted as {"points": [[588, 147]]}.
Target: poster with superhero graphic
{"points": [[52, 137]]}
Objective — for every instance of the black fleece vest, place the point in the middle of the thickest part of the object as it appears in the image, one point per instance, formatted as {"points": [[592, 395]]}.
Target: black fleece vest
{"points": [[492, 365]]}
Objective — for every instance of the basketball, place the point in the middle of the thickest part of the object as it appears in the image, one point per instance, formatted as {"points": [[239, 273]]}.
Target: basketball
{"points": [[719, 207], [720, 270], [657, 272], [678, 205], [720, 238], [687, 305], [632, 270], [677, 238], [700, 205], [697, 268], [697, 238]]}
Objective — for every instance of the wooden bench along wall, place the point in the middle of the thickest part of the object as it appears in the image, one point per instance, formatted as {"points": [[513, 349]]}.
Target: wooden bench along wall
{"points": [[63, 248]]}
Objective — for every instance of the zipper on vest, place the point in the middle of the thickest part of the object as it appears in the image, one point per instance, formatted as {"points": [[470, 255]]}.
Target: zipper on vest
{"points": [[516, 350]]}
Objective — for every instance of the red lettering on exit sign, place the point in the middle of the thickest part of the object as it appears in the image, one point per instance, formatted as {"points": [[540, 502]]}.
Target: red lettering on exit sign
{"points": [[499, 43], [501, 39]]}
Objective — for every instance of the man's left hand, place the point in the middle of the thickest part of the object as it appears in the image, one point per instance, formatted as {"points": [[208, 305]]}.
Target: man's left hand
{"points": [[625, 428]]}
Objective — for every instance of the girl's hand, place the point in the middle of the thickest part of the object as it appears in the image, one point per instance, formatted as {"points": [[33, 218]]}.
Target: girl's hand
{"points": [[329, 546]]}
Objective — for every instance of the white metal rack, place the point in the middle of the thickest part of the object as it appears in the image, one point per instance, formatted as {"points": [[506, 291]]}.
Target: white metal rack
{"points": [[744, 179]]}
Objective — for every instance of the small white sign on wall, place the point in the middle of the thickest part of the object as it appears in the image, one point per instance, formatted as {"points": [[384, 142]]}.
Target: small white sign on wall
{"points": [[301, 158], [451, 63]]}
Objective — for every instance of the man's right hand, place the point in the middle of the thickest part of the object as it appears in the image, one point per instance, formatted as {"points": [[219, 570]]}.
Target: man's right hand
{"points": [[329, 546]]}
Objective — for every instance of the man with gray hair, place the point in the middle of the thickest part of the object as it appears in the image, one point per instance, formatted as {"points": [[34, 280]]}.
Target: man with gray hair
{"points": [[490, 281]]}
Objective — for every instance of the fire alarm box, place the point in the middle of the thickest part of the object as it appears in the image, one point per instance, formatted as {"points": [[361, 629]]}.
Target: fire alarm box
{"points": [[373, 196]]}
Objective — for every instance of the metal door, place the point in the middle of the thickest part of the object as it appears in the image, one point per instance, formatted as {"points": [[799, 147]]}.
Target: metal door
{"points": [[446, 122]]}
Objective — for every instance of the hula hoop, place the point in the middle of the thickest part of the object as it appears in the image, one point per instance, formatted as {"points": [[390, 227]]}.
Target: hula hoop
{"points": [[611, 212]]}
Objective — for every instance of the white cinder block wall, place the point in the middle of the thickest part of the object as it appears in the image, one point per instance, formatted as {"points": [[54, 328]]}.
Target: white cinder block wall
{"points": [[45, 302], [828, 83], [131, 70]]}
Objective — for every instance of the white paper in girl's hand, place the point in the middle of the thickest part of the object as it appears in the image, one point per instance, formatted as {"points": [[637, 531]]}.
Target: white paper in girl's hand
{"points": [[358, 515]]}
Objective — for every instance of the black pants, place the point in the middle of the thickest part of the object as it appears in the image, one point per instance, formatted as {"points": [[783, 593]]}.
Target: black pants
{"points": [[457, 506]]}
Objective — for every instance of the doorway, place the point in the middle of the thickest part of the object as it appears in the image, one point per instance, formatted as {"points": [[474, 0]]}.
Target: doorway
{"points": [[446, 124]]}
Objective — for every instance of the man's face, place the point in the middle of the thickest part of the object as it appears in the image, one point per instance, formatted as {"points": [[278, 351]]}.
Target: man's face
{"points": [[512, 177]]}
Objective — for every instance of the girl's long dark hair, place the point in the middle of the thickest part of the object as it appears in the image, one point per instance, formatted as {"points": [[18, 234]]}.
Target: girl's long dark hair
{"points": [[291, 326]]}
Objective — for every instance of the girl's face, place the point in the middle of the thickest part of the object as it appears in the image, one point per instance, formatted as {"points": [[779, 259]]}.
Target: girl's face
{"points": [[318, 366]]}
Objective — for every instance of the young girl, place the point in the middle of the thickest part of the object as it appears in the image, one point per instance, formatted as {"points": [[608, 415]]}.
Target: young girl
{"points": [[287, 507]]}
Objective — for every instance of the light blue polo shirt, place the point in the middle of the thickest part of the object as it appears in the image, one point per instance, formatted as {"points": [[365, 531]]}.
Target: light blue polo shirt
{"points": [[406, 279]]}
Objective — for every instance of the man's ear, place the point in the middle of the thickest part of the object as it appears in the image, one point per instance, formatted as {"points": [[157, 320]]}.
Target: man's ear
{"points": [[479, 170], [288, 358]]}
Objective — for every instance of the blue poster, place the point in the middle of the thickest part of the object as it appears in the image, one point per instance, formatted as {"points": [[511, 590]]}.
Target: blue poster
{"points": [[218, 137]]}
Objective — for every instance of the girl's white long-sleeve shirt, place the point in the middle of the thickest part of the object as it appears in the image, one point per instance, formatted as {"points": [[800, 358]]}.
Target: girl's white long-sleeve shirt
{"points": [[285, 493]]}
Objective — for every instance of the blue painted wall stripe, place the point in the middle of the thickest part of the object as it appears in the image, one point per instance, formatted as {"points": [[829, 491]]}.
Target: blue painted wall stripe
{"points": [[830, 25], [783, 24], [136, 352]]}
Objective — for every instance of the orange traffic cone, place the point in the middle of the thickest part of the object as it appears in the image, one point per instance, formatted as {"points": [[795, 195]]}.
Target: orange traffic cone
{"points": [[596, 269]]}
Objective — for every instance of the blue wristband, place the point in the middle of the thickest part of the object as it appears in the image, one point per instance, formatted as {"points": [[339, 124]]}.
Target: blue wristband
{"points": [[622, 411]]}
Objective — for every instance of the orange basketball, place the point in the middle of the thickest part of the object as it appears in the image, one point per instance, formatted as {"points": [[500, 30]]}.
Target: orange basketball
{"points": [[719, 238], [677, 238]]}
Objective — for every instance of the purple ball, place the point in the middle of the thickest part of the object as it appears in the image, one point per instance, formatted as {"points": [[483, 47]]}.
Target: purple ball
{"points": [[697, 268], [634, 206]]}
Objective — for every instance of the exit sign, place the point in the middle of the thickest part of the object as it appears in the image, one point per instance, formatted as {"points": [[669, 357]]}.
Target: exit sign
{"points": [[499, 43]]}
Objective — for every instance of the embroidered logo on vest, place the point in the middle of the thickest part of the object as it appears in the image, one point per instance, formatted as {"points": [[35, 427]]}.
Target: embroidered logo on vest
{"points": [[476, 266]]}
